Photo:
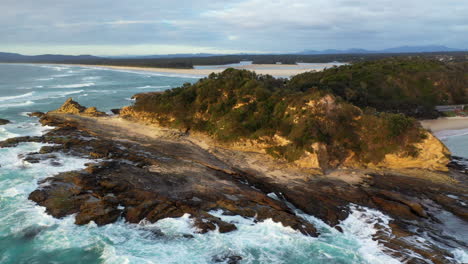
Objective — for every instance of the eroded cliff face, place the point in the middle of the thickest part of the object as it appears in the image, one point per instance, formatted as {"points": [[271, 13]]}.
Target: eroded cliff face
{"points": [[432, 155]]}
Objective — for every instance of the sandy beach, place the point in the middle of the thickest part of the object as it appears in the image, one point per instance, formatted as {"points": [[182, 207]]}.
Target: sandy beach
{"points": [[445, 123], [283, 70]]}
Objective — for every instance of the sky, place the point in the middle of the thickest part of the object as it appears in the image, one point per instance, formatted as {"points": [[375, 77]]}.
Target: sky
{"points": [[138, 27]]}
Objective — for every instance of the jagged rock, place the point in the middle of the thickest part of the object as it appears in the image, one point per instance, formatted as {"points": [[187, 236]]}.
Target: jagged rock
{"points": [[100, 211], [36, 114], [169, 192], [227, 258], [49, 149], [13, 142], [4, 121], [55, 163], [115, 111], [72, 107], [31, 232]]}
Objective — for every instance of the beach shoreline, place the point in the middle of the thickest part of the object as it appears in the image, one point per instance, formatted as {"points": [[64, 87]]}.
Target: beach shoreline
{"points": [[445, 123], [273, 69]]}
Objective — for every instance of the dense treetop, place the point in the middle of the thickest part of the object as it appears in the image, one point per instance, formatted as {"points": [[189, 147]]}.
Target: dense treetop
{"points": [[409, 86], [350, 109]]}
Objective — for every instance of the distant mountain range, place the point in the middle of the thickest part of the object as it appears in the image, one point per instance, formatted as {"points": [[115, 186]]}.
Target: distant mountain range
{"points": [[15, 57], [402, 49], [53, 58], [178, 55]]}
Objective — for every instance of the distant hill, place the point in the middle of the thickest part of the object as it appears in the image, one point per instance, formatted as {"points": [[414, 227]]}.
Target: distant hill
{"points": [[159, 56], [57, 58], [187, 61], [402, 49], [15, 57]]}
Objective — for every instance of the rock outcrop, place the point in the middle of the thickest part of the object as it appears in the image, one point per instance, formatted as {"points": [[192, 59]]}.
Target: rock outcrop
{"points": [[4, 121], [137, 182], [72, 107], [36, 114]]}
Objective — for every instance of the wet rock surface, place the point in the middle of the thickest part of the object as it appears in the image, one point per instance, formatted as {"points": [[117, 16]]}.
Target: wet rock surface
{"points": [[36, 114], [115, 111], [140, 182], [4, 121], [154, 179]]}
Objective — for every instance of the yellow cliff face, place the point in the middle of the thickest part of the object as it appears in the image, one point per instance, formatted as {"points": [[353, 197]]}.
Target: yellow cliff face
{"points": [[433, 155]]}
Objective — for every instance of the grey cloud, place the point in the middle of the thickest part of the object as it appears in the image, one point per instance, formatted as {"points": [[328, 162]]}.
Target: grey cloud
{"points": [[261, 25]]}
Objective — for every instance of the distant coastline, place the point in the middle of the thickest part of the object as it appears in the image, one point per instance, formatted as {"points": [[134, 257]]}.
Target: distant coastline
{"points": [[276, 70], [282, 70]]}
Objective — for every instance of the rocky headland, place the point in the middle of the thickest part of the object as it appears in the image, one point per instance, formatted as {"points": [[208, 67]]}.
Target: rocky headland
{"points": [[322, 143], [143, 170]]}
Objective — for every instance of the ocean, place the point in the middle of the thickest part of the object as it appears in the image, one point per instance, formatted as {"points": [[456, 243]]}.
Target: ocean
{"points": [[29, 235]]}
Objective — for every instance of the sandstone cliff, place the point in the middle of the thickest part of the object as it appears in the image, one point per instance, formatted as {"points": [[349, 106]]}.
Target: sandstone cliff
{"points": [[432, 155]]}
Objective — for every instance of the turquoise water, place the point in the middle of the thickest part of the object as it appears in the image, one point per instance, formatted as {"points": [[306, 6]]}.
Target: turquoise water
{"points": [[28, 235], [456, 141]]}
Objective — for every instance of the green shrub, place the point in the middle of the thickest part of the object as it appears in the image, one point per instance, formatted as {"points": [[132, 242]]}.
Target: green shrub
{"points": [[239, 104]]}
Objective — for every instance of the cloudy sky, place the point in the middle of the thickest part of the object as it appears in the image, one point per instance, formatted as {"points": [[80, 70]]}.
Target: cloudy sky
{"points": [[111, 27]]}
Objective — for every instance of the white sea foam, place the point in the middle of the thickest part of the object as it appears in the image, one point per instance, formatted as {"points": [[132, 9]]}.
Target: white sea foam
{"points": [[361, 224], [61, 75], [5, 133], [460, 255], [61, 94], [76, 85], [19, 104], [451, 133], [89, 78], [22, 129], [150, 73], [154, 87], [45, 79], [103, 91], [57, 68], [14, 97], [10, 158]]}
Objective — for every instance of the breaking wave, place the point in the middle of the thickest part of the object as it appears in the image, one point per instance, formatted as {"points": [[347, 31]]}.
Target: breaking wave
{"points": [[76, 85]]}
